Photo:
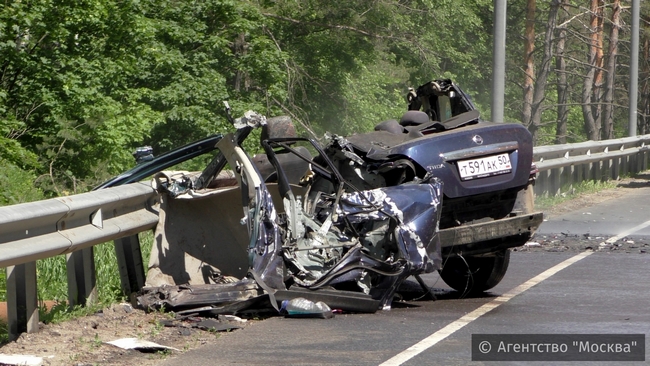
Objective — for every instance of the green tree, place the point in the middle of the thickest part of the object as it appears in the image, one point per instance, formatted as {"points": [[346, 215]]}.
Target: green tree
{"points": [[85, 82], [334, 46]]}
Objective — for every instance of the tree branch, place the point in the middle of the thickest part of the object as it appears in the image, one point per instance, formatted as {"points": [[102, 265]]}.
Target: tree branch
{"points": [[328, 26]]}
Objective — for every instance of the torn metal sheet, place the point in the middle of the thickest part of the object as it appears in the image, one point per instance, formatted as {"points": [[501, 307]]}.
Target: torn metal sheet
{"points": [[250, 119], [196, 295], [190, 249]]}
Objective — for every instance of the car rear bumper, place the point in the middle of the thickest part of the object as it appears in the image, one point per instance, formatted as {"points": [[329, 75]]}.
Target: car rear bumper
{"points": [[489, 237]]}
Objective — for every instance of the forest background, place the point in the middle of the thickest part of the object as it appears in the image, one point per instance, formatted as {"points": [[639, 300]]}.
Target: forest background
{"points": [[85, 82]]}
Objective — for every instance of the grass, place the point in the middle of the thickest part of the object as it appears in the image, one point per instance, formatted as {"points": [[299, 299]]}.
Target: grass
{"points": [[4, 332], [3, 284], [52, 283], [585, 187]]}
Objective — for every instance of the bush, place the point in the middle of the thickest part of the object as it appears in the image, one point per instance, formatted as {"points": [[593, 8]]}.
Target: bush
{"points": [[17, 185]]}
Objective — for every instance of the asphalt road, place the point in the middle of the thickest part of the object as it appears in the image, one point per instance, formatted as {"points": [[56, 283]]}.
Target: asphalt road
{"points": [[611, 217], [600, 292]]}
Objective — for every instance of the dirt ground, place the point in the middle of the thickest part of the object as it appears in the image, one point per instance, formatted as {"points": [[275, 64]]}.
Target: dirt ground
{"points": [[82, 341]]}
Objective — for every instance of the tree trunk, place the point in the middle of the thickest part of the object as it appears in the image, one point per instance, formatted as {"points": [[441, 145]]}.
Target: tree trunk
{"points": [[560, 66], [608, 114], [239, 50], [529, 62], [544, 70], [598, 73], [588, 86], [645, 90]]}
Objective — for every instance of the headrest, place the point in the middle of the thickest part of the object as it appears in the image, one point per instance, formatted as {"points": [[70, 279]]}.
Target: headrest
{"points": [[414, 118], [391, 126]]}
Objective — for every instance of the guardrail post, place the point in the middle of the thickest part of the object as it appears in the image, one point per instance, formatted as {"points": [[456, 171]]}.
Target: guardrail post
{"points": [[82, 286], [597, 171], [129, 263], [643, 161], [566, 180], [616, 168], [541, 183], [555, 185], [635, 163], [579, 173], [22, 300], [589, 172]]}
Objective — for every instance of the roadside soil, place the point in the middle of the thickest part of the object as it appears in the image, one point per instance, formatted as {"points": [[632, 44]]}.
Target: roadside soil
{"points": [[82, 341]]}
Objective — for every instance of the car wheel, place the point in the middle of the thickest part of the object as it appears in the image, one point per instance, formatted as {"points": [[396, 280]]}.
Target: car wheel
{"points": [[475, 274]]}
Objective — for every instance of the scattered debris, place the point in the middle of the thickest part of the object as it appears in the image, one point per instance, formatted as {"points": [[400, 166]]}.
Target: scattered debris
{"points": [[214, 325], [209, 324], [303, 308], [27, 360], [232, 318], [140, 345]]}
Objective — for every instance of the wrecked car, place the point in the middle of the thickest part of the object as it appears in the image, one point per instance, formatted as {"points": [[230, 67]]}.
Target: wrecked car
{"points": [[346, 221]]}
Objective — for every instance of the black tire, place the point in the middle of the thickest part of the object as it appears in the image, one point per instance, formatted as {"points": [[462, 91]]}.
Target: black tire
{"points": [[475, 274]]}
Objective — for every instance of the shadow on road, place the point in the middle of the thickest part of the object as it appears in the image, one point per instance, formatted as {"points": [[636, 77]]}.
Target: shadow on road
{"points": [[640, 180], [411, 292]]}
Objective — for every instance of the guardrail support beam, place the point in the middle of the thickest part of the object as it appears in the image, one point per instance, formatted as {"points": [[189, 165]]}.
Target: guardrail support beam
{"points": [[578, 173], [541, 184], [643, 161], [82, 284], [555, 184], [129, 263], [566, 179], [22, 300], [635, 163]]}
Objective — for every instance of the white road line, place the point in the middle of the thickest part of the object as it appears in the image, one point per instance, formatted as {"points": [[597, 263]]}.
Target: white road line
{"points": [[443, 333], [627, 232]]}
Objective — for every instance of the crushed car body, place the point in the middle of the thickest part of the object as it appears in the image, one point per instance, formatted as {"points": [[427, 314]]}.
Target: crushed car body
{"points": [[345, 222]]}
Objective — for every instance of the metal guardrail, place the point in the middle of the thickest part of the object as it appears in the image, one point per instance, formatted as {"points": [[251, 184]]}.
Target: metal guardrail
{"points": [[72, 225], [43, 229], [561, 166]]}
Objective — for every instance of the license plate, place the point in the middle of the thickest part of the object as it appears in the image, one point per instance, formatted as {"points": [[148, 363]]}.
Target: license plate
{"points": [[484, 167]]}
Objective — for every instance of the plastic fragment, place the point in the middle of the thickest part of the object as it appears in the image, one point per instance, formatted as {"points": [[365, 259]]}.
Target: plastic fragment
{"points": [[20, 360], [139, 344], [300, 307]]}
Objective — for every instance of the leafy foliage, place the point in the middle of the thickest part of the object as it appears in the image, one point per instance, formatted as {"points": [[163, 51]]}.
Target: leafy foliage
{"points": [[85, 82], [17, 185]]}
